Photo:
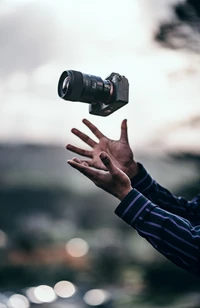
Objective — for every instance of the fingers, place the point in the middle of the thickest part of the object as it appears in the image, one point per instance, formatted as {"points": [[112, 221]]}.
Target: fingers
{"points": [[90, 163], [124, 132], [84, 137], [76, 164], [83, 168], [93, 129], [79, 151], [84, 163], [109, 164]]}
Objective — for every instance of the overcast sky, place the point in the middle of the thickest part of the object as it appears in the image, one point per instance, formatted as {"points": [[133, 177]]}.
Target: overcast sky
{"points": [[40, 39]]}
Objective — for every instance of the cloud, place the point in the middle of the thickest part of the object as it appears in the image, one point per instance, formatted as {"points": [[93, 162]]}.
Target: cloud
{"points": [[39, 41], [29, 38]]}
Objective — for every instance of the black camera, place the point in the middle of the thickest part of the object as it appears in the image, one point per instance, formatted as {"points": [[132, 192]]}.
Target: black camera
{"points": [[104, 96]]}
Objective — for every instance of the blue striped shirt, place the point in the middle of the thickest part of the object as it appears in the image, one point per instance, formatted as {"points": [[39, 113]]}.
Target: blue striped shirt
{"points": [[170, 224]]}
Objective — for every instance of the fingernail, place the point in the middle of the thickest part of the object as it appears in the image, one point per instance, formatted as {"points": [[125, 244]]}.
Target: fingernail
{"points": [[103, 155], [104, 158]]}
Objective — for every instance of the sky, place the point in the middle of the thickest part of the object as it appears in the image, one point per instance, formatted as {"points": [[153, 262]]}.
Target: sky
{"points": [[41, 39]]}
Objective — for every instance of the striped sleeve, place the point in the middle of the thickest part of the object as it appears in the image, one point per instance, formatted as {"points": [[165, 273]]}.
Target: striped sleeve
{"points": [[159, 195], [171, 235]]}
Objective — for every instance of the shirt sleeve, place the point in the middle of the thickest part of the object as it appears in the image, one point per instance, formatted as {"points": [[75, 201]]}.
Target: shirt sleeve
{"points": [[159, 195], [171, 235]]}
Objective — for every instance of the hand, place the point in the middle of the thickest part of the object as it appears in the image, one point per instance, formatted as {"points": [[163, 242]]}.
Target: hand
{"points": [[119, 150], [114, 181]]}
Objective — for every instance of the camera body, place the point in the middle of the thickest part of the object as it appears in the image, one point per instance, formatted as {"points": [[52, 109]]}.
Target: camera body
{"points": [[104, 96], [120, 96]]}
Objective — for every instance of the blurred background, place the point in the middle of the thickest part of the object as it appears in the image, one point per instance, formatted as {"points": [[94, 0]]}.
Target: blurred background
{"points": [[61, 245]]}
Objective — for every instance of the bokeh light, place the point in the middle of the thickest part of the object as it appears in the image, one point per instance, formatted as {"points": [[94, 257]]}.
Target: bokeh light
{"points": [[64, 289], [77, 247], [18, 301], [31, 296], [45, 294], [96, 297]]}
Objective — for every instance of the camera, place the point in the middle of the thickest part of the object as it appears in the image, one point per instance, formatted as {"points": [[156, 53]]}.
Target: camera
{"points": [[104, 96]]}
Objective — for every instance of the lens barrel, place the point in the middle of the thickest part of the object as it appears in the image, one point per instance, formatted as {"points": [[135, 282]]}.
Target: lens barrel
{"points": [[76, 86]]}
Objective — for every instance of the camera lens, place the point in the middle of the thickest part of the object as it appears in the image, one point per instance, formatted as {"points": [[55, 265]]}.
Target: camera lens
{"points": [[71, 85], [76, 86], [65, 85]]}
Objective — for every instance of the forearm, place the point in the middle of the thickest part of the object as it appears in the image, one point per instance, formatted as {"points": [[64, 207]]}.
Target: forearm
{"points": [[170, 234], [159, 195]]}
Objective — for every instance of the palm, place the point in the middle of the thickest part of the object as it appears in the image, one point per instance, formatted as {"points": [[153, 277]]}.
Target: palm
{"points": [[113, 180], [118, 150]]}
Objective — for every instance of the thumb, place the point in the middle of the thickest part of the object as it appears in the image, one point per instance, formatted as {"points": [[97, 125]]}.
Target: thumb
{"points": [[108, 162], [124, 133]]}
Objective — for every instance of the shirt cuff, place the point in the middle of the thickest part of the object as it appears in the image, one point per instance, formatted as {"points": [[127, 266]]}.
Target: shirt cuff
{"points": [[142, 181], [134, 207]]}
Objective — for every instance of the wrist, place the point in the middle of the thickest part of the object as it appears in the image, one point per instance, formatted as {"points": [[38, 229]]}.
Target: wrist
{"points": [[124, 193], [132, 170]]}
